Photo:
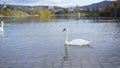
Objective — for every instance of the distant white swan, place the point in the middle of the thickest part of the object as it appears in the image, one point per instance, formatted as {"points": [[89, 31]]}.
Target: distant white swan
{"points": [[1, 28], [80, 42]]}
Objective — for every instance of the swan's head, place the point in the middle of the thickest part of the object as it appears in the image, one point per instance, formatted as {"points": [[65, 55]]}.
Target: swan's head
{"points": [[2, 22], [65, 29]]}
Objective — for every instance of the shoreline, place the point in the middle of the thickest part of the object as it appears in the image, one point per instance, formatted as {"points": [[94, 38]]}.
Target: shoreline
{"points": [[20, 16]]}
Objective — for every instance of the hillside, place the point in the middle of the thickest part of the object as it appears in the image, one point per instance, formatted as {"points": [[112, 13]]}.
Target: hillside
{"points": [[11, 12], [111, 10], [29, 7], [22, 10], [97, 5]]}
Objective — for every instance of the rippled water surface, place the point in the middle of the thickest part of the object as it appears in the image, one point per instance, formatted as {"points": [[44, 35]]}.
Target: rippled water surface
{"points": [[33, 39]]}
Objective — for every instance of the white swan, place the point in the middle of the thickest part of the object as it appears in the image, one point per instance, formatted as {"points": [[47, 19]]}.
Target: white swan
{"points": [[1, 28], [80, 42]]}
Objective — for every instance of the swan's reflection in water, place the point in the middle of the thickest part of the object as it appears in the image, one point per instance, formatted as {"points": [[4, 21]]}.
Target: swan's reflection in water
{"points": [[2, 38], [66, 57], [84, 46], [66, 53]]}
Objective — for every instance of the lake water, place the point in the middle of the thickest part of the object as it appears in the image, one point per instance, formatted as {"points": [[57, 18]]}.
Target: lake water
{"points": [[28, 41]]}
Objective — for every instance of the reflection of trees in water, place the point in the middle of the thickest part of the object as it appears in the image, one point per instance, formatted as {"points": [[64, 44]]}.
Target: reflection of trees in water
{"points": [[68, 17], [48, 18], [25, 19], [41, 18], [44, 18], [15, 19]]}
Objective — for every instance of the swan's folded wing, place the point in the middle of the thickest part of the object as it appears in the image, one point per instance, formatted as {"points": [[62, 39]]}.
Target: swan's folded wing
{"points": [[79, 42]]}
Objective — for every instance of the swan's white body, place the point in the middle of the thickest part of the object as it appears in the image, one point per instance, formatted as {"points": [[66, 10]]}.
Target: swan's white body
{"points": [[80, 42], [1, 28]]}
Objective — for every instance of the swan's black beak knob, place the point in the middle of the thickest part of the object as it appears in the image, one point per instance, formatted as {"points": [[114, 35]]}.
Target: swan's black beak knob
{"points": [[64, 29]]}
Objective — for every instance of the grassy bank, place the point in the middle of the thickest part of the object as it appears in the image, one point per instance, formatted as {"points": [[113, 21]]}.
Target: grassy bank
{"points": [[11, 12]]}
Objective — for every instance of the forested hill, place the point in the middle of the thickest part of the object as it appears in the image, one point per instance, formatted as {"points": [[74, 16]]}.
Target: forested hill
{"points": [[111, 10], [97, 5]]}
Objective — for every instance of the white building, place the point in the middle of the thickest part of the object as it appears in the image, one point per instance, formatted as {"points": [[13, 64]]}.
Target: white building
{"points": [[4, 5]]}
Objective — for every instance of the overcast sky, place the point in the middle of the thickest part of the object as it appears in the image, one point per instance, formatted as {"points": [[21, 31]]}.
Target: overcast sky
{"points": [[51, 2]]}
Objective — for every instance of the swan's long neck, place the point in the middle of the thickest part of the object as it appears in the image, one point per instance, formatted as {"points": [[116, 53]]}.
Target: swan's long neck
{"points": [[66, 37], [2, 25]]}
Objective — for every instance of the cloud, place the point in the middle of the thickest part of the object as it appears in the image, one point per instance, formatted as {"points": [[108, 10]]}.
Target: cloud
{"points": [[55, 1], [30, 1], [50, 2]]}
